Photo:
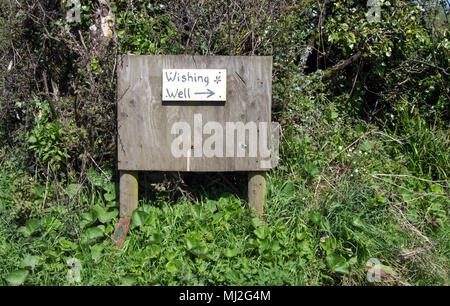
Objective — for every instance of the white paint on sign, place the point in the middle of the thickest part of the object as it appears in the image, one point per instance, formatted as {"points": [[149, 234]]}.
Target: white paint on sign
{"points": [[194, 85]]}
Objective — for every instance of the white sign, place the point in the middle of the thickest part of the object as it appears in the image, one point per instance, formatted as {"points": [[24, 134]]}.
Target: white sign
{"points": [[194, 85]]}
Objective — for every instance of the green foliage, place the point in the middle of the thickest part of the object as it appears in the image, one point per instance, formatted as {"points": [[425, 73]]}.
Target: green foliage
{"points": [[46, 140]]}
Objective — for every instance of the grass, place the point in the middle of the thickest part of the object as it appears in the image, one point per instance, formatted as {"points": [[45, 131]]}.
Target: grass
{"points": [[345, 196]]}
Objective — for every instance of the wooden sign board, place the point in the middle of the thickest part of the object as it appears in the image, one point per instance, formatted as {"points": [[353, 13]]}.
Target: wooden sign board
{"points": [[194, 85], [194, 130]]}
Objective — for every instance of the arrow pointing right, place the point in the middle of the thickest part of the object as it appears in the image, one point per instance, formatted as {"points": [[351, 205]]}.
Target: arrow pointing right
{"points": [[209, 93]]}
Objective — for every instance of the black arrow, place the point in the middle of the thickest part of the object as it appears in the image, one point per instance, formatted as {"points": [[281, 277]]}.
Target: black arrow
{"points": [[209, 93]]}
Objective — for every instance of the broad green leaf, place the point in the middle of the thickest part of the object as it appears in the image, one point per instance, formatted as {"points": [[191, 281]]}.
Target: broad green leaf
{"points": [[96, 178], [128, 281], [386, 269], [30, 227], [102, 215], [67, 245], [288, 189], [17, 277], [337, 263], [72, 190], [437, 189], [275, 246], [261, 232], [366, 146], [311, 168], [93, 232], [29, 261], [256, 222], [110, 197], [300, 236], [211, 206], [193, 240], [32, 139], [231, 252], [357, 222], [89, 216], [315, 217], [96, 252], [138, 218], [329, 244], [173, 265]]}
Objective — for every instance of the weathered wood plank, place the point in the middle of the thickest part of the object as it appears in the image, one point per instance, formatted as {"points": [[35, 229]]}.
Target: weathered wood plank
{"points": [[145, 122]]}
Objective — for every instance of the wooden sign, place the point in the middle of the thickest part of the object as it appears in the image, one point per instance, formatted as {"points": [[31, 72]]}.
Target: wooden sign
{"points": [[158, 131], [194, 85]]}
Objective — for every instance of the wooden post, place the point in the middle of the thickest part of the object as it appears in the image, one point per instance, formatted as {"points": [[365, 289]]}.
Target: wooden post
{"points": [[128, 193], [128, 203], [257, 191]]}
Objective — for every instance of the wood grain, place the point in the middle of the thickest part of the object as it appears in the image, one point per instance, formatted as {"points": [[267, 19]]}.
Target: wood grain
{"points": [[145, 122]]}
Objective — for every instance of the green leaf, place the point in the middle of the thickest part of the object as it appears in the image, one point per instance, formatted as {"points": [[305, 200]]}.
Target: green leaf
{"points": [[173, 265], [315, 217], [300, 236], [93, 233], [211, 206], [128, 281], [110, 197], [231, 252], [32, 139], [334, 114], [288, 189], [366, 146], [193, 240], [90, 216], [72, 190], [386, 269], [17, 277], [95, 178], [329, 244], [256, 222], [261, 232], [30, 227], [311, 169], [275, 245], [29, 261], [437, 189], [96, 252], [138, 218], [337, 263], [357, 222], [67, 245], [102, 215]]}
